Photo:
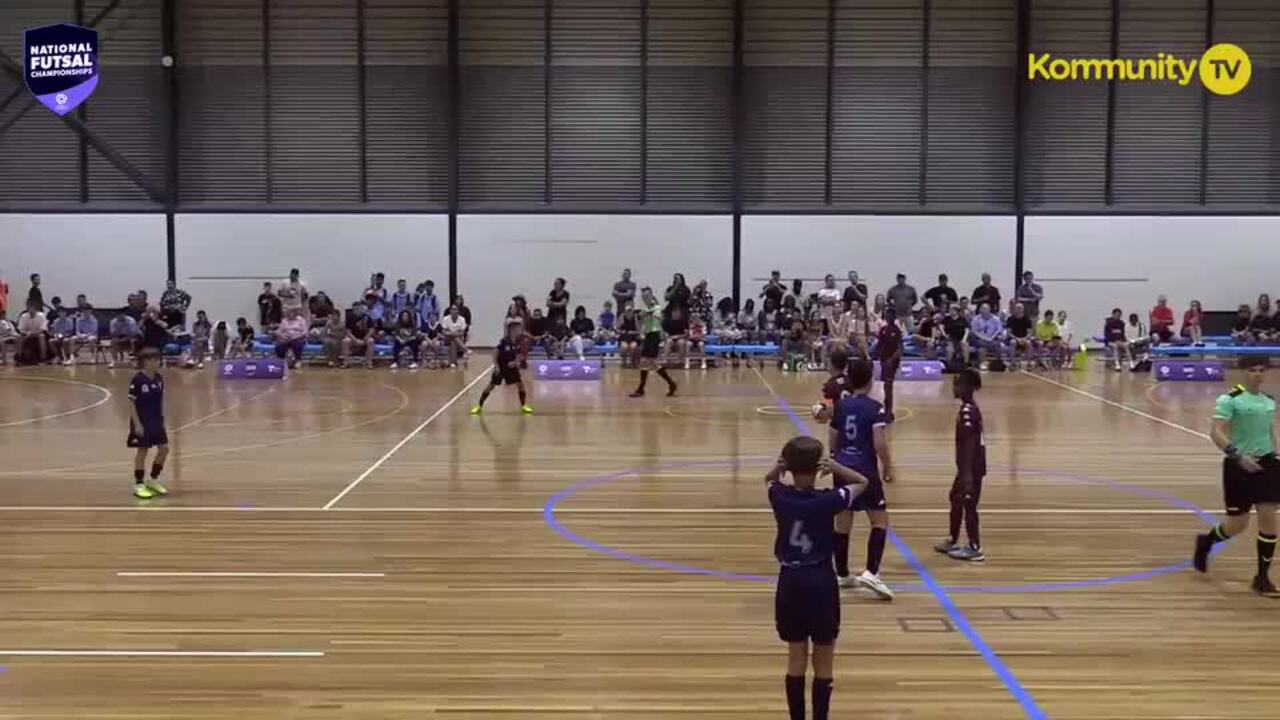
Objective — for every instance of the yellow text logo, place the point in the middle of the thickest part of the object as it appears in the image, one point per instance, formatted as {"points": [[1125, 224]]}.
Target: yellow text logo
{"points": [[1223, 69]]}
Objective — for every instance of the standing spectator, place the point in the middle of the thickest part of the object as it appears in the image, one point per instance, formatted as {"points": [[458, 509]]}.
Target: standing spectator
{"points": [[558, 302], [361, 335], [377, 286], [376, 311], [35, 294], [956, 330], [624, 291], [966, 311], [774, 289], [9, 338], [1019, 328], [174, 303], [1193, 324], [427, 302], [797, 298], [1242, 326], [270, 309], [335, 332], [582, 332], [291, 336], [942, 295], [455, 327], [401, 299], [700, 303], [1161, 321], [406, 335], [86, 332], [1030, 294], [902, 297], [125, 335], [828, 300], [986, 333], [293, 292], [986, 293], [677, 296], [856, 292], [1115, 338]]}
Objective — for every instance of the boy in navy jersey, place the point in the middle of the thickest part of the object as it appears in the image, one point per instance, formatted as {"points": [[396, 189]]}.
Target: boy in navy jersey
{"points": [[971, 467], [146, 424], [859, 441], [506, 367], [807, 600]]}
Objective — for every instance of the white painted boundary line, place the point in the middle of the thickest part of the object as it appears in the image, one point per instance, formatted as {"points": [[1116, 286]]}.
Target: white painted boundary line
{"points": [[165, 653], [226, 409], [373, 468], [160, 574], [576, 511], [1118, 406], [106, 395]]}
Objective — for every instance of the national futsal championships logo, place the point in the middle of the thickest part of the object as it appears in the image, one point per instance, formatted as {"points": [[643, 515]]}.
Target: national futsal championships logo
{"points": [[60, 65], [1223, 69]]}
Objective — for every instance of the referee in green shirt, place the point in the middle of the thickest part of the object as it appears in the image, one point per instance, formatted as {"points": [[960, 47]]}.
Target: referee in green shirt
{"points": [[1244, 429], [650, 312]]}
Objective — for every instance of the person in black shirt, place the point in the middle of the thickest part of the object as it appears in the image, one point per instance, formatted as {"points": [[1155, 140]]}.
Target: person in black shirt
{"points": [[942, 294], [361, 335], [558, 302], [774, 290], [1240, 327], [35, 294], [925, 336], [676, 328], [856, 292], [1019, 327], [986, 293], [677, 296], [506, 368], [146, 424], [243, 343], [155, 331], [1114, 338], [628, 336], [538, 327], [582, 332], [557, 334], [269, 308], [956, 328]]}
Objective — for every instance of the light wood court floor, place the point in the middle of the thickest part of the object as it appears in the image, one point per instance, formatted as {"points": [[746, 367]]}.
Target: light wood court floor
{"points": [[438, 583]]}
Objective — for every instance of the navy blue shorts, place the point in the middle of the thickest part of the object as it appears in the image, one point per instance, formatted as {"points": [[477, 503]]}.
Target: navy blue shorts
{"points": [[870, 499], [149, 438], [807, 604]]}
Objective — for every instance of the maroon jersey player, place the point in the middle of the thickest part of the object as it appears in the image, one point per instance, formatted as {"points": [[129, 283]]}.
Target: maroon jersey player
{"points": [[836, 386], [889, 353], [971, 467]]}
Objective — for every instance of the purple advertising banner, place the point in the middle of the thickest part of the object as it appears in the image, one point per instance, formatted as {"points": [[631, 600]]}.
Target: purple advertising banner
{"points": [[916, 370], [264, 369], [60, 65], [567, 370], [1188, 370]]}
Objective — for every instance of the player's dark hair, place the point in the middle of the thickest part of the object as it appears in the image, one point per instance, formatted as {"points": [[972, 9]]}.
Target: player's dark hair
{"points": [[148, 354], [860, 372], [839, 360], [970, 379], [1116, 310], [802, 454], [1252, 361]]}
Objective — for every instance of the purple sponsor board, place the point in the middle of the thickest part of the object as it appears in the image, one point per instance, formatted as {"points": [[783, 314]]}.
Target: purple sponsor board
{"points": [[916, 370], [264, 369], [566, 370], [1189, 370]]}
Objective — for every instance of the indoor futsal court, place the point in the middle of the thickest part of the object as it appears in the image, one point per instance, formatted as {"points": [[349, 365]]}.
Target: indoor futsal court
{"points": [[617, 359]]}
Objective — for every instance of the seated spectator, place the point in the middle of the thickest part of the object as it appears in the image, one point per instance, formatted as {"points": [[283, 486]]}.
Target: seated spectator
{"points": [[537, 331], [986, 334], [725, 323], [137, 306], [1067, 332], [86, 332], [794, 346], [432, 340], [221, 340], [676, 328], [815, 332], [125, 335], [465, 312], [853, 330], [406, 335], [1139, 339], [1049, 341], [769, 324], [628, 336], [925, 336], [335, 332], [320, 307], [582, 332], [62, 334], [1193, 324], [1161, 321], [242, 344], [1263, 326], [376, 310], [174, 304], [956, 330], [9, 338], [33, 331], [361, 335], [1116, 338], [155, 331], [455, 335], [291, 336], [1019, 330], [270, 309], [748, 323], [557, 336], [607, 324], [56, 309], [1242, 326], [201, 332], [698, 339]]}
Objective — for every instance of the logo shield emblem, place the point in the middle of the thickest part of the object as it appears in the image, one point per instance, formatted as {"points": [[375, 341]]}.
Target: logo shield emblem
{"points": [[60, 65]]}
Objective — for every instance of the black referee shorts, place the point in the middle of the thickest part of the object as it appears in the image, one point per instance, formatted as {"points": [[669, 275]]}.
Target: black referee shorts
{"points": [[652, 345], [1242, 490]]}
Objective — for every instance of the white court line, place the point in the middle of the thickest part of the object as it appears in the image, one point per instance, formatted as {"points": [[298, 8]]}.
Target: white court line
{"points": [[372, 468], [165, 653], [106, 395], [226, 409], [1118, 406], [232, 574], [569, 511]]}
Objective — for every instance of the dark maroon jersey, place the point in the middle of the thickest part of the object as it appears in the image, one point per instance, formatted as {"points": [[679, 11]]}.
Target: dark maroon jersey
{"points": [[835, 388], [971, 444], [888, 342]]}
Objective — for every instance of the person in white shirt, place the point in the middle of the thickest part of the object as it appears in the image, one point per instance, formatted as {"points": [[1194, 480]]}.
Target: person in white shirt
{"points": [[33, 327], [828, 298], [8, 337], [292, 292], [1067, 333], [454, 327], [1138, 338]]}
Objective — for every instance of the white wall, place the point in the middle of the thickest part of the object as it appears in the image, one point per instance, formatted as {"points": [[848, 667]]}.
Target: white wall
{"points": [[502, 255], [222, 260], [1089, 265], [879, 247], [104, 256]]}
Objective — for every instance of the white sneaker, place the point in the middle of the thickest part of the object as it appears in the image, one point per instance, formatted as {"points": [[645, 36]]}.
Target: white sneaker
{"points": [[395, 366], [848, 581], [69, 361], [111, 364], [413, 366], [873, 583], [200, 365]]}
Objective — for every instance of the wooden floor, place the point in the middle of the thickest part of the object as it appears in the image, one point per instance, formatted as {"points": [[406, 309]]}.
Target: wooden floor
{"points": [[438, 582]]}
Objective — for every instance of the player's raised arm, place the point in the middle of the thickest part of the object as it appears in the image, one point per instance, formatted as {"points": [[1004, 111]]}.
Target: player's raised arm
{"points": [[776, 472]]}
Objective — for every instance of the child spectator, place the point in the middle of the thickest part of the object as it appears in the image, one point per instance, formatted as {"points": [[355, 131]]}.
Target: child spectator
{"points": [[793, 346], [401, 299], [925, 336], [698, 339], [408, 336], [726, 323], [427, 302], [607, 324], [1115, 338], [1048, 340], [455, 335], [201, 330], [1193, 324], [291, 337], [124, 338], [243, 342], [56, 309], [815, 333], [582, 332], [270, 309]]}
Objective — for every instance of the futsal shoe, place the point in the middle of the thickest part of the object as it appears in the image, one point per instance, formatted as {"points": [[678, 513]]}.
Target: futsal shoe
{"points": [[1200, 560], [945, 547], [526, 409], [966, 553], [1264, 587], [477, 410], [142, 492], [156, 488], [872, 582], [847, 581], [638, 394]]}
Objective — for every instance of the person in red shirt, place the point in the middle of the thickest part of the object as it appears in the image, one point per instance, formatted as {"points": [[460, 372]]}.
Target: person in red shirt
{"points": [[971, 468], [1193, 323], [889, 353], [1161, 321]]}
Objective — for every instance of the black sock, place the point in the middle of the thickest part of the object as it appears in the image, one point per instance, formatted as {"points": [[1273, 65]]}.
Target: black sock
{"points": [[971, 523], [484, 396], [1266, 550], [888, 398], [795, 696], [875, 549], [522, 396], [137, 476], [156, 469], [957, 513], [842, 554], [821, 698], [662, 373], [644, 378], [1218, 534]]}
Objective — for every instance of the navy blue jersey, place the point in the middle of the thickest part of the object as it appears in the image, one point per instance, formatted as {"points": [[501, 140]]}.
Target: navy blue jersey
{"points": [[147, 394], [508, 353], [806, 522], [855, 419]]}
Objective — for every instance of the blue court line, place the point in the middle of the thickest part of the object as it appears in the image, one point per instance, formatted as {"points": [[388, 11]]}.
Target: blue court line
{"points": [[958, 619]]}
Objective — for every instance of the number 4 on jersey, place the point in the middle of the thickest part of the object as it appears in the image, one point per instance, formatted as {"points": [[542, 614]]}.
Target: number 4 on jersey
{"points": [[799, 538]]}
